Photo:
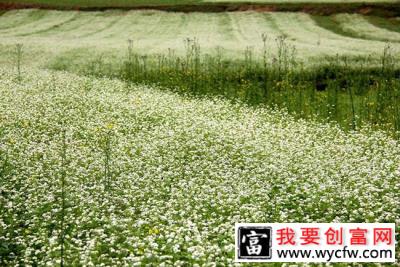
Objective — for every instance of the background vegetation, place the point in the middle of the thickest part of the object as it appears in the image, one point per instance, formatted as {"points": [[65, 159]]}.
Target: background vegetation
{"points": [[352, 93], [72, 34]]}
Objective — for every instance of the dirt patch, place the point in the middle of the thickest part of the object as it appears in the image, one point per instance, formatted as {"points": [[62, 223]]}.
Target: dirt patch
{"points": [[376, 9], [258, 8], [365, 11]]}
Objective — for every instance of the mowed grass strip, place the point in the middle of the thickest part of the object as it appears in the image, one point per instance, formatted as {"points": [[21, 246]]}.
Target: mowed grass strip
{"points": [[392, 24], [15, 18], [362, 27], [311, 39]]}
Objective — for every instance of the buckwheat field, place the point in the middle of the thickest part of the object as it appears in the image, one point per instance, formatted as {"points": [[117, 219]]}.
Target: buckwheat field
{"points": [[138, 153]]}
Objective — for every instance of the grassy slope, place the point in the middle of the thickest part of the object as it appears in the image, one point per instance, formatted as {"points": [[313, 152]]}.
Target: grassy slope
{"points": [[357, 26], [389, 24], [55, 32]]}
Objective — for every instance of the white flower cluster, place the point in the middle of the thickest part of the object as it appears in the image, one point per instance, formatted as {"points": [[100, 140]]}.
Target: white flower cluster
{"points": [[121, 175]]}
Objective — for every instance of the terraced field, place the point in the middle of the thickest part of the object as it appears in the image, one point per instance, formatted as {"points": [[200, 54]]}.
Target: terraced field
{"points": [[58, 32]]}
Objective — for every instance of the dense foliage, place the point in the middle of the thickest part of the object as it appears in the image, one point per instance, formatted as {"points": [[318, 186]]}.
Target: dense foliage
{"points": [[95, 172]]}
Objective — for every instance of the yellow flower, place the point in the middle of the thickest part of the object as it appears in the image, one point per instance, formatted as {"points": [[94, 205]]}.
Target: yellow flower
{"points": [[110, 126], [154, 231]]}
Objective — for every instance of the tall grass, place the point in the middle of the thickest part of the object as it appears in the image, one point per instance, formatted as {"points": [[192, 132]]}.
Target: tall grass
{"points": [[352, 95], [107, 156], [18, 59]]}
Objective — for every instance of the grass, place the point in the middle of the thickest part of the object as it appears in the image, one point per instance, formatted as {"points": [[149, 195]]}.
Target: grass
{"points": [[179, 167], [391, 24], [353, 94], [357, 26]]}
